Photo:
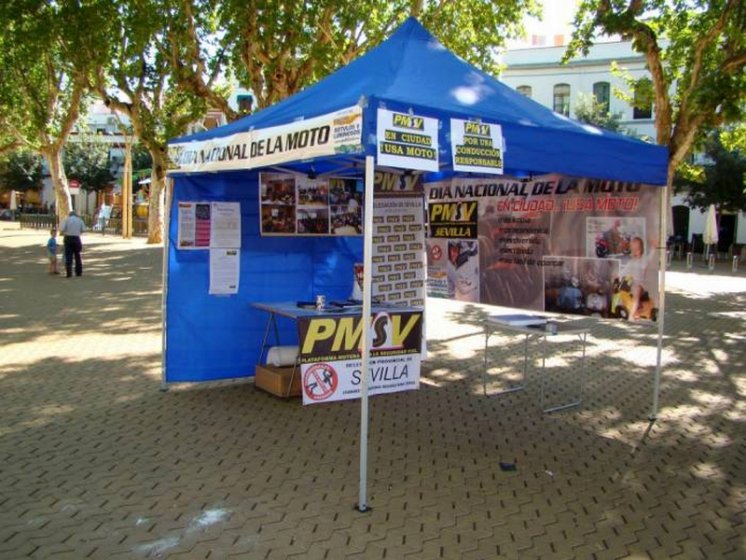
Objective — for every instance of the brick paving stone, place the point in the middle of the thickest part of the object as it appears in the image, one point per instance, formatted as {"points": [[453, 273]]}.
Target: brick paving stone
{"points": [[98, 463]]}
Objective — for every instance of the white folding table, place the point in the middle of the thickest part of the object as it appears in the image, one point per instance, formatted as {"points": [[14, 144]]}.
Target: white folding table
{"points": [[543, 331]]}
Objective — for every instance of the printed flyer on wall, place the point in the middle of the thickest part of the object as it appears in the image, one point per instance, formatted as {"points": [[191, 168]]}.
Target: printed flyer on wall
{"points": [[202, 225], [226, 224], [331, 367], [407, 141], [398, 264], [553, 243], [224, 271], [477, 147]]}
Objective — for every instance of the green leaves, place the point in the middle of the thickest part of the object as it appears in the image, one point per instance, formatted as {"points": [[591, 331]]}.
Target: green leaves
{"points": [[44, 60], [695, 51], [277, 48], [86, 158], [721, 181], [21, 170], [589, 110]]}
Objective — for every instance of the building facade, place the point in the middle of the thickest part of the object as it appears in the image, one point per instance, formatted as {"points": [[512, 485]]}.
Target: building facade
{"points": [[605, 73]]}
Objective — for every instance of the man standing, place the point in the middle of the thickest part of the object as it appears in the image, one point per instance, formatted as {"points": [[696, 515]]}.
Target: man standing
{"points": [[72, 228]]}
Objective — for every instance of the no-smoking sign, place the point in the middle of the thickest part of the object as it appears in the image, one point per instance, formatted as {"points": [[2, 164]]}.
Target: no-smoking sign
{"points": [[320, 382]]}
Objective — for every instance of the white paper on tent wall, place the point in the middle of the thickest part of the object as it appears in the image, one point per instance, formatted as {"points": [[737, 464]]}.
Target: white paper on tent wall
{"points": [[407, 141], [186, 225], [225, 268], [225, 229], [204, 225], [477, 147]]}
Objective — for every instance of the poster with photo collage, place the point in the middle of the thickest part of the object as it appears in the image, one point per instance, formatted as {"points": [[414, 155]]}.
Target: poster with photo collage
{"points": [[295, 204]]}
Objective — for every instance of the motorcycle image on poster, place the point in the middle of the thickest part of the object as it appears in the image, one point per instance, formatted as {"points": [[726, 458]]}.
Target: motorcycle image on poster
{"points": [[552, 243]]}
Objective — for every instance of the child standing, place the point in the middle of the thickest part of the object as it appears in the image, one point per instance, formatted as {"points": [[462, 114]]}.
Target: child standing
{"points": [[52, 251]]}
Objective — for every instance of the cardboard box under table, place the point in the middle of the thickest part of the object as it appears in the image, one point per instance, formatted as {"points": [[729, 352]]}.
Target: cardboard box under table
{"points": [[277, 380]]}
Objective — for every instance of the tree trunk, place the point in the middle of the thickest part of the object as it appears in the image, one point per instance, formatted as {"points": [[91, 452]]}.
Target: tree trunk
{"points": [[127, 190], [156, 206], [63, 201]]}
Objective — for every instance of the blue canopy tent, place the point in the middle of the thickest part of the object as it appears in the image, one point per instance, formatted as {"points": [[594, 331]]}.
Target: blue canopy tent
{"points": [[209, 338], [412, 70]]}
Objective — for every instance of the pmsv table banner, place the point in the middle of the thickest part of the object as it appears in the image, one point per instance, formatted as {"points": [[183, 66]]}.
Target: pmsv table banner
{"points": [[331, 364]]}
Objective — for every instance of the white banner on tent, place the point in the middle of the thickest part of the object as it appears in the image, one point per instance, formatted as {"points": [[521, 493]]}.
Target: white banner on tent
{"points": [[477, 147], [326, 135], [407, 141]]}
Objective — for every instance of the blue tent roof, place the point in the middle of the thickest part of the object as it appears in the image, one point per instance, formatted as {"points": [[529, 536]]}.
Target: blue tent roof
{"points": [[413, 69]]}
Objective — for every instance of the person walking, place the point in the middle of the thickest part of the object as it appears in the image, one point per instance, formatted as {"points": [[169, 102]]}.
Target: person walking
{"points": [[72, 228]]}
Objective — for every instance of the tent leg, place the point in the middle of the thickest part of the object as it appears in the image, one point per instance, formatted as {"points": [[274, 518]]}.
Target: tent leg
{"points": [[661, 303], [164, 297], [362, 504]]}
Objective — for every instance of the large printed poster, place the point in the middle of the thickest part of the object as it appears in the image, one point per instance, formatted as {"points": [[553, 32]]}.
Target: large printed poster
{"points": [[398, 273], [295, 204], [331, 365], [554, 243]]}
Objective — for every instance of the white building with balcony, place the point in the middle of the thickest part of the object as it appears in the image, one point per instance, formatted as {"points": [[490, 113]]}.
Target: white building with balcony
{"points": [[537, 72]]}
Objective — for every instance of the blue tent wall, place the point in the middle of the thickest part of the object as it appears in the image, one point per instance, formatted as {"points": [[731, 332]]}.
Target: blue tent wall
{"points": [[219, 337]]}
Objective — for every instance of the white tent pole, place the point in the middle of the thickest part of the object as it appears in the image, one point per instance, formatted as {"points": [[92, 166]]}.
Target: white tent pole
{"points": [[164, 297], [661, 300], [362, 504]]}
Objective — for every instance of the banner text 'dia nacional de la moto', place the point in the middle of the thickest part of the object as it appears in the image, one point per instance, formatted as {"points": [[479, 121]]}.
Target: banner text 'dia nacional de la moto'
{"points": [[553, 243]]}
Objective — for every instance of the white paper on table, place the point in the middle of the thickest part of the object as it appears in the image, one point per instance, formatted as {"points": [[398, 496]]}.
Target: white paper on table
{"points": [[225, 267]]}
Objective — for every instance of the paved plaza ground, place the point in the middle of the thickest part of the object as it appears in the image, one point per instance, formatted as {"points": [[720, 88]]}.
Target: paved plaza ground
{"points": [[97, 462]]}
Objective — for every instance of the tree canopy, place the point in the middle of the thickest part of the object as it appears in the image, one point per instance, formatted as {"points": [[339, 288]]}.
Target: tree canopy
{"points": [[44, 59], [275, 48], [86, 159], [695, 51], [138, 81], [721, 181], [590, 110], [21, 170]]}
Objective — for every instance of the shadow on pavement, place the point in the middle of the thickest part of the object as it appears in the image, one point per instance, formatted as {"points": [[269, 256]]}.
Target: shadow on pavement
{"points": [[97, 462]]}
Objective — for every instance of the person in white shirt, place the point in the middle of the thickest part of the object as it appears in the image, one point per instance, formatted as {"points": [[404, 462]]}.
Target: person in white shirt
{"points": [[72, 228]]}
